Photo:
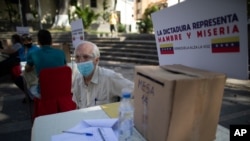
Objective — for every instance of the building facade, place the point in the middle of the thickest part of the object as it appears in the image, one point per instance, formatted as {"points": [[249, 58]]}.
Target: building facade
{"points": [[142, 5], [45, 11]]}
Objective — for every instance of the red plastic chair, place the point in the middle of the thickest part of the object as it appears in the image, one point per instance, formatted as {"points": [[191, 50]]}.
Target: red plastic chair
{"points": [[16, 71], [55, 90]]}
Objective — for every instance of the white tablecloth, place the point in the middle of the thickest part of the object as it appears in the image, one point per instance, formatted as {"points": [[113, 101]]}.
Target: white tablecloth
{"points": [[46, 126]]}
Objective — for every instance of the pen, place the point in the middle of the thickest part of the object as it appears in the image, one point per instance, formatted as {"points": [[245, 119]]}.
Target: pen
{"points": [[100, 132], [78, 133]]}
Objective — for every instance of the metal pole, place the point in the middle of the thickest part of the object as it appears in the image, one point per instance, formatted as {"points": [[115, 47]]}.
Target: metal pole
{"points": [[20, 11], [126, 21], [39, 13]]}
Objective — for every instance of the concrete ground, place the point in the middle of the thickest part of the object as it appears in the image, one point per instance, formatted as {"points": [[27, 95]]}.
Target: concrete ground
{"points": [[15, 123]]}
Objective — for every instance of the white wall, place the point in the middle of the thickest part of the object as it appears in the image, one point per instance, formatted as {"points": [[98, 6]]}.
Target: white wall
{"points": [[174, 2], [126, 8]]}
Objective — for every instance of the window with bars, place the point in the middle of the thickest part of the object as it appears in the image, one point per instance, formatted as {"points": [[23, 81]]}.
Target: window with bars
{"points": [[93, 3]]}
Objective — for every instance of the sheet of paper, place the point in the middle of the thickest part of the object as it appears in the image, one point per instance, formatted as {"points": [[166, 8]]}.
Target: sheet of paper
{"points": [[102, 122], [108, 127], [108, 135]]}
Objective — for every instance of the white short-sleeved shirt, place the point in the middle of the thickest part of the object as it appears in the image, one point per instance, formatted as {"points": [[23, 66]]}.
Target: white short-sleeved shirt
{"points": [[104, 84]]}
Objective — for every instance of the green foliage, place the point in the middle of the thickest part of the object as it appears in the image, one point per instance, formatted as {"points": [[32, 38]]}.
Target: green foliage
{"points": [[150, 10], [105, 16], [87, 15], [145, 25], [105, 13], [121, 28], [12, 12], [105, 5], [34, 13]]}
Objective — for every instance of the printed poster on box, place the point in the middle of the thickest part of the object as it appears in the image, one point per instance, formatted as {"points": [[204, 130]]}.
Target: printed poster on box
{"points": [[210, 35], [77, 32]]}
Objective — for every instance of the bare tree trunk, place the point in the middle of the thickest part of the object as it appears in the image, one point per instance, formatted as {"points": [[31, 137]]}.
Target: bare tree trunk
{"points": [[29, 16], [8, 6], [63, 6], [24, 10], [62, 18]]}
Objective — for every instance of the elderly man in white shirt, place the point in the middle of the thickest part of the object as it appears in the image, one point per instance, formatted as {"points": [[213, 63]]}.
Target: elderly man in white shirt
{"points": [[92, 84]]}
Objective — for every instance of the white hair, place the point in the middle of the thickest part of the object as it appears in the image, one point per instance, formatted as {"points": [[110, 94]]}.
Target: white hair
{"points": [[96, 51]]}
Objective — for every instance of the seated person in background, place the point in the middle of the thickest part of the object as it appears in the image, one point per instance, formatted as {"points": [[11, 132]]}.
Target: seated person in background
{"points": [[94, 85], [13, 59], [27, 48], [46, 57], [30, 77], [2, 56], [1, 45]]}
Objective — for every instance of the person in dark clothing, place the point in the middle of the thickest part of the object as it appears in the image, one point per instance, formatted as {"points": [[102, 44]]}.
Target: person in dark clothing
{"points": [[1, 45], [27, 48], [46, 57], [7, 65]]}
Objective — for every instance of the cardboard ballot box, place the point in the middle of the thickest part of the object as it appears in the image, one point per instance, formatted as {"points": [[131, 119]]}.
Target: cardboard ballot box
{"points": [[177, 103]]}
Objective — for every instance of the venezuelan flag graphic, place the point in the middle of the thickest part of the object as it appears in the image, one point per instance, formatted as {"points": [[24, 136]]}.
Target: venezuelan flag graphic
{"points": [[224, 45], [166, 49]]}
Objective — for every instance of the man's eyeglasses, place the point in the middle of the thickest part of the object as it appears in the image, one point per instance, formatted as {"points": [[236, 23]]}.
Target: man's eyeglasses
{"points": [[83, 57]]}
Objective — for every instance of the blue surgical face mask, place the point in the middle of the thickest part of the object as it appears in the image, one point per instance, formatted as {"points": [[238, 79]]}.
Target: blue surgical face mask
{"points": [[86, 68]]}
